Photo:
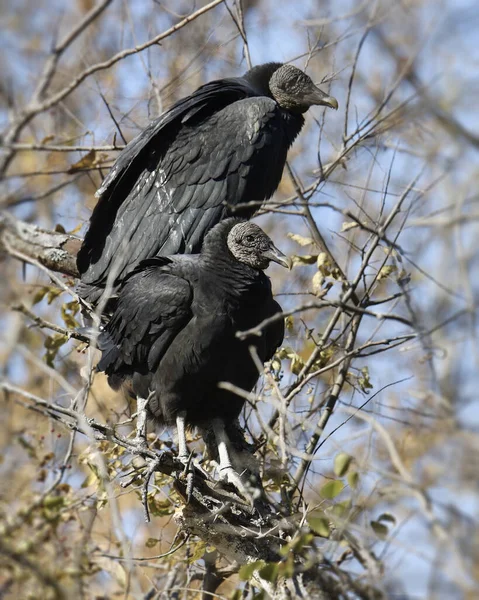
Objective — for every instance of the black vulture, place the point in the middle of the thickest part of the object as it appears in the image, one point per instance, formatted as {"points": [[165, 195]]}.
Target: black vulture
{"points": [[172, 335], [224, 145]]}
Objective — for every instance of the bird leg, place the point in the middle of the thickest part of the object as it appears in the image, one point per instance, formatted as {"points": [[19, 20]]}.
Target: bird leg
{"points": [[184, 455], [226, 470], [141, 418]]}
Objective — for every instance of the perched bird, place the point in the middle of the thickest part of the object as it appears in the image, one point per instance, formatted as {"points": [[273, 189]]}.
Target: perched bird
{"points": [[173, 333], [223, 146]]}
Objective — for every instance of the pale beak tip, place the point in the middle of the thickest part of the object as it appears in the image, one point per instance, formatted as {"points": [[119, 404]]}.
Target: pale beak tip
{"points": [[331, 102], [278, 257], [284, 262]]}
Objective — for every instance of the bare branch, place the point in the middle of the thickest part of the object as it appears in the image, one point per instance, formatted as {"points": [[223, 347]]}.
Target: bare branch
{"points": [[55, 251]]}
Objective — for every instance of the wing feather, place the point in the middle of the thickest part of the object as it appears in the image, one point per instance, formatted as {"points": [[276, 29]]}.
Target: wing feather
{"points": [[233, 155], [153, 306]]}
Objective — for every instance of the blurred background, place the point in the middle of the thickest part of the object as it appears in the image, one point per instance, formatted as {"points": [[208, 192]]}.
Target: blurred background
{"points": [[405, 76]]}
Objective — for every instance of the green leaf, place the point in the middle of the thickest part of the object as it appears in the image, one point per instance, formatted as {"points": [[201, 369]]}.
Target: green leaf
{"points": [[276, 365], [319, 525], [306, 259], [69, 310], [342, 461], [379, 529], [85, 162], [341, 508], [347, 225], [317, 283], [70, 321], [299, 239], [93, 476], [198, 552], [403, 277], [331, 489], [24, 443], [286, 567], [387, 517], [40, 294], [323, 263], [296, 544], [52, 294], [297, 363], [54, 342], [53, 501], [159, 508], [364, 381], [269, 572], [353, 479], [246, 571], [73, 306], [151, 542], [89, 480], [386, 271]]}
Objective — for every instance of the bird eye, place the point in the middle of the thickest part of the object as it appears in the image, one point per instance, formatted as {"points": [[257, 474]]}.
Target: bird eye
{"points": [[249, 239]]}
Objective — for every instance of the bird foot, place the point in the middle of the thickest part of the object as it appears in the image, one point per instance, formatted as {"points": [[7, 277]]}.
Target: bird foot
{"points": [[245, 488], [190, 467], [192, 464]]}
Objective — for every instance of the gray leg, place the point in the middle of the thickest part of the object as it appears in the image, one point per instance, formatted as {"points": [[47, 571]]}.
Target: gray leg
{"points": [[141, 418], [183, 453], [184, 456]]}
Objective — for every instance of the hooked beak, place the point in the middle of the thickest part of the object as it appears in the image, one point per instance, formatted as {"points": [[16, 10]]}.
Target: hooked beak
{"points": [[278, 257], [320, 98]]}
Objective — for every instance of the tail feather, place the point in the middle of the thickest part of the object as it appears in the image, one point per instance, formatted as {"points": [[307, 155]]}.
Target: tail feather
{"points": [[110, 353]]}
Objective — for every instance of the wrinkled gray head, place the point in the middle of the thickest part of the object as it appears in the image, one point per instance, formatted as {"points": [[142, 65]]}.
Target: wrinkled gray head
{"points": [[250, 245], [293, 90]]}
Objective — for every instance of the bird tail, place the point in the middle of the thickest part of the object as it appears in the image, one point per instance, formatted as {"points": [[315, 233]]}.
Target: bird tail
{"points": [[110, 353]]}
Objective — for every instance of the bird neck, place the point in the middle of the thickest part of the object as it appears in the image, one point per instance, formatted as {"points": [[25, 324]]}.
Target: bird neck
{"points": [[232, 282], [229, 271], [233, 277], [293, 124], [258, 77]]}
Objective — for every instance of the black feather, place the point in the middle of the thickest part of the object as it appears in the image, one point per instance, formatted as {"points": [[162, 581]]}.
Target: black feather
{"points": [[174, 331], [223, 145]]}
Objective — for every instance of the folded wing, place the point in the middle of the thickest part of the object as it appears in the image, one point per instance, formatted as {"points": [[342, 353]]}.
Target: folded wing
{"points": [[153, 306], [176, 180]]}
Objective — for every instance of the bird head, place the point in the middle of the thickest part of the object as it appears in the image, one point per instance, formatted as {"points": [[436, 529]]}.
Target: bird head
{"points": [[295, 91], [250, 245]]}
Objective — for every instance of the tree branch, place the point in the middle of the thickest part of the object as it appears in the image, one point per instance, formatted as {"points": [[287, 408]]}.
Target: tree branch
{"points": [[55, 251]]}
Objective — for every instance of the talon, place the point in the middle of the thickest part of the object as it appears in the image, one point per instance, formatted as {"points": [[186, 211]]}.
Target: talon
{"points": [[190, 479], [248, 491], [186, 460], [191, 468], [225, 469]]}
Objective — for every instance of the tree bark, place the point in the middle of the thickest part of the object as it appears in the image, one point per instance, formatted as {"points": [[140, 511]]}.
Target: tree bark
{"points": [[54, 250]]}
